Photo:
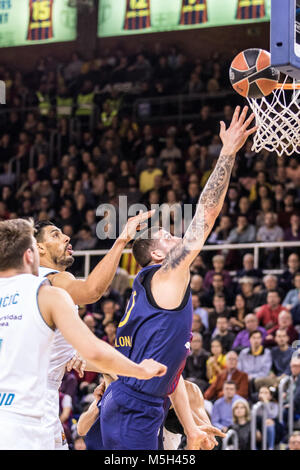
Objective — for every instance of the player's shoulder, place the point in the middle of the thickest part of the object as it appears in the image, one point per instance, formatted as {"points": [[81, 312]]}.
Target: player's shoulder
{"points": [[48, 293], [59, 279]]}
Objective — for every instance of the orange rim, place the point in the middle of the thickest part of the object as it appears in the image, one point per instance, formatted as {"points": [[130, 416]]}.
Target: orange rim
{"points": [[288, 86]]}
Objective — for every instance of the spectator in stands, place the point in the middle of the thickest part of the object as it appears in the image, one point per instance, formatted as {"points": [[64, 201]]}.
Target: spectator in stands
{"points": [[289, 209], [69, 386], [215, 390], [295, 374], [85, 239], [195, 367], [286, 279], [247, 289], [222, 410], [198, 327], [220, 308], [249, 270], [216, 362], [243, 232], [242, 339], [255, 361], [90, 321], [241, 423], [281, 357], [270, 283], [198, 310], [295, 311], [198, 266], [65, 411], [197, 285], [266, 206], [233, 200], [110, 330], [217, 289], [270, 232], [292, 233], [223, 334], [294, 441], [109, 309], [285, 322], [238, 313], [221, 232], [147, 176], [170, 152], [264, 395], [292, 297], [268, 314], [218, 265]]}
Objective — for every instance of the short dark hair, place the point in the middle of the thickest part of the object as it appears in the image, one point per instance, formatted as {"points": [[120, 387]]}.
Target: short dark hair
{"points": [[143, 245], [218, 274], [39, 229], [229, 382], [219, 296], [254, 332], [222, 316], [15, 238]]}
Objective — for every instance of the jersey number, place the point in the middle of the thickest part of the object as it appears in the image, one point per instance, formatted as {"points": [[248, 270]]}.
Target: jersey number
{"points": [[123, 322], [41, 10]]}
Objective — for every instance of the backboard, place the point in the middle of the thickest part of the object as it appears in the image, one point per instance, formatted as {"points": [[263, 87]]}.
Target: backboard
{"points": [[285, 36]]}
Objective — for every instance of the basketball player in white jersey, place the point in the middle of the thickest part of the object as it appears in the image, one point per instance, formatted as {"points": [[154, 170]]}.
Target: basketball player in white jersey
{"points": [[30, 310], [55, 257]]}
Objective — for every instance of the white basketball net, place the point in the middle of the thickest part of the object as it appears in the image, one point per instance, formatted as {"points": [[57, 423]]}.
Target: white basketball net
{"points": [[278, 121]]}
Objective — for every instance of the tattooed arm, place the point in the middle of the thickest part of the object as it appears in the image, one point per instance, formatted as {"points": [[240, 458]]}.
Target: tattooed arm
{"points": [[176, 265]]}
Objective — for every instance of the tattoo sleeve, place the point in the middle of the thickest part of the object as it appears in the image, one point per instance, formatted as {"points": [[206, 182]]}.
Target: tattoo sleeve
{"points": [[208, 208]]}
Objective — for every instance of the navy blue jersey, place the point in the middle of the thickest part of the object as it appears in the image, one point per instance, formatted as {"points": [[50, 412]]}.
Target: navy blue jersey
{"points": [[148, 331]]}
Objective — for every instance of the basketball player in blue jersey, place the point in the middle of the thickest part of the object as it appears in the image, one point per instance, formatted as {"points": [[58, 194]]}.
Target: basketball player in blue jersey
{"points": [[157, 322]]}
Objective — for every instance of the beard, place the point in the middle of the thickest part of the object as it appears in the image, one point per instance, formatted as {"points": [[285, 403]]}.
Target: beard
{"points": [[64, 261]]}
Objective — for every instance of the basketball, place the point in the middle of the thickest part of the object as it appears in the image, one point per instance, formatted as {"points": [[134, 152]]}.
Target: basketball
{"points": [[251, 74]]}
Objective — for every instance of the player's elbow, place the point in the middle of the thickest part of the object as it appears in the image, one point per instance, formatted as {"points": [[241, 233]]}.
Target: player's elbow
{"points": [[94, 294]]}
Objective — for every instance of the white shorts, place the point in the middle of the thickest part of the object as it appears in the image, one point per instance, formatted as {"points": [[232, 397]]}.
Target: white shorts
{"points": [[52, 422], [18, 432]]}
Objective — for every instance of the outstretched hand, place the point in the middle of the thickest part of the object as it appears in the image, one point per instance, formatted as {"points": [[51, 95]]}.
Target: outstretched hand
{"points": [[135, 224], [238, 132], [203, 437]]}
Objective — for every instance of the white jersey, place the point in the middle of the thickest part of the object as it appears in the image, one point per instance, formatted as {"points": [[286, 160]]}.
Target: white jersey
{"points": [[25, 342], [61, 351]]}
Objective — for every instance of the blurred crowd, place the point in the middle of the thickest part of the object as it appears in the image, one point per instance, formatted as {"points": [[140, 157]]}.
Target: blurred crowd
{"points": [[244, 323]]}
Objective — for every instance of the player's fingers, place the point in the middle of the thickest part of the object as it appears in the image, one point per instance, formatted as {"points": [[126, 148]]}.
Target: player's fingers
{"points": [[82, 368], [248, 121], [235, 115], [251, 131], [222, 127], [70, 364], [212, 430], [243, 115], [145, 215]]}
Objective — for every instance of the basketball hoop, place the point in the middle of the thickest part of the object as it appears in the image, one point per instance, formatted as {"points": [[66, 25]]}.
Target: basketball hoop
{"points": [[278, 119]]}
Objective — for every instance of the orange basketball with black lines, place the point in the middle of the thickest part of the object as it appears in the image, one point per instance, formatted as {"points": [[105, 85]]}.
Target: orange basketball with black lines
{"points": [[251, 74]]}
